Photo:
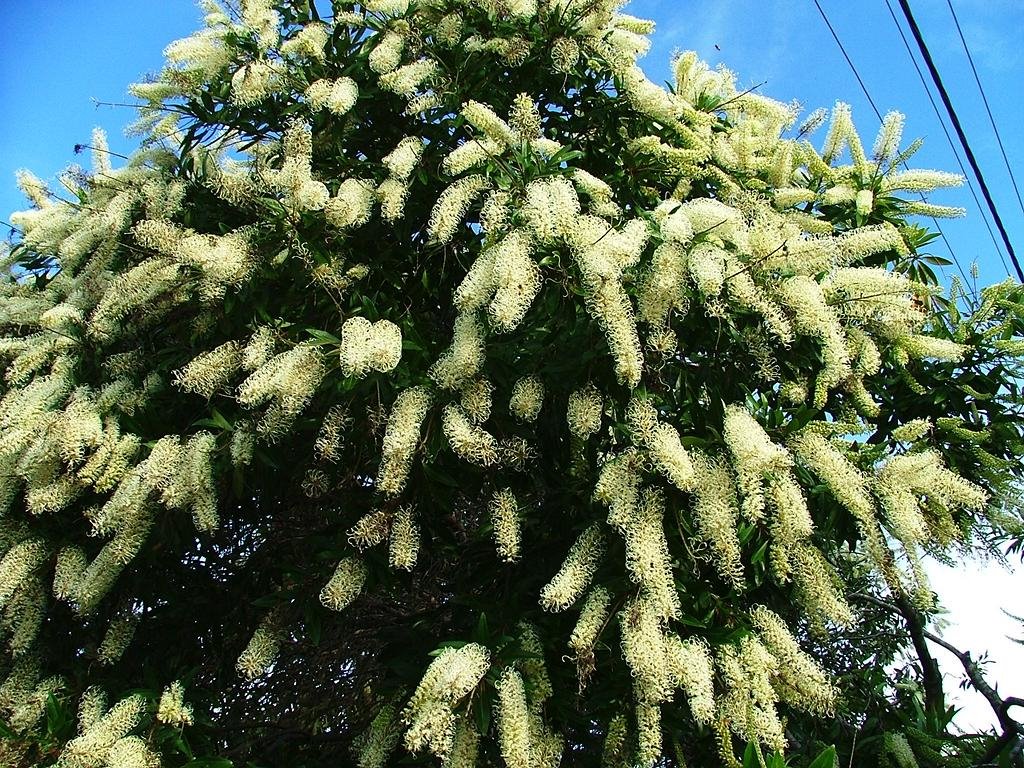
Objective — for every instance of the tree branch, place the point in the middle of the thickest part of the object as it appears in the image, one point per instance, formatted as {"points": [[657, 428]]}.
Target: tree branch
{"points": [[1012, 731]]}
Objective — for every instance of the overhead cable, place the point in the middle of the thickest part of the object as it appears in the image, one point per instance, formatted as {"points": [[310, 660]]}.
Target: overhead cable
{"points": [[988, 110], [944, 95], [878, 114], [949, 139]]}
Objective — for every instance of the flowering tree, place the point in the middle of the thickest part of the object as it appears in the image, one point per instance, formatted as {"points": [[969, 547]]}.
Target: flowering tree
{"points": [[433, 388]]}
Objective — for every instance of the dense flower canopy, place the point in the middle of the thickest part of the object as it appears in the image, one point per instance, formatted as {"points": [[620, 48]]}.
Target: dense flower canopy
{"points": [[433, 386]]}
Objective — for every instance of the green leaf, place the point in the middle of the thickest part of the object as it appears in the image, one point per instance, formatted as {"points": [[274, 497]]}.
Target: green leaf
{"points": [[750, 756], [218, 418], [826, 759], [314, 623], [481, 633], [483, 710], [758, 556], [323, 337], [447, 644]]}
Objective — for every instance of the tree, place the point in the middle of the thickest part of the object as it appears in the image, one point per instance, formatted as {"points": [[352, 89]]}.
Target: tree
{"points": [[432, 386]]}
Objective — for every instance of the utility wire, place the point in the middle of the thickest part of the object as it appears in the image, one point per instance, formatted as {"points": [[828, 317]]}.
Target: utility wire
{"points": [[849, 61], [984, 98], [916, 31], [878, 114], [945, 130]]}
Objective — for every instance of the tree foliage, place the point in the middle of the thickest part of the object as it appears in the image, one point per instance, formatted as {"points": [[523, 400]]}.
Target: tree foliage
{"points": [[432, 386]]}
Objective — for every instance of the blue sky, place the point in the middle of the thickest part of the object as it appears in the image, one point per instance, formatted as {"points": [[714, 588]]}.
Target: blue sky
{"points": [[61, 55], [69, 54]]}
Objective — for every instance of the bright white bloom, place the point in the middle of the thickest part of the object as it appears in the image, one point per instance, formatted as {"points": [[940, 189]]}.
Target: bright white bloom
{"points": [[484, 119], [210, 372], [172, 708], [565, 54], [576, 572], [370, 529], [463, 359], [505, 520], [260, 653], [449, 678], [351, 205], [513, 720], [309, 43], [392, 194], [406, 80], [405, 540], [336, 96], [584, 411], [800, 680], [453, 204], [401, 437], [592, 619], [345, 584], [367, 346], [402, 160], [468, 441], [527, 398], [254, 82], [476, 400]]}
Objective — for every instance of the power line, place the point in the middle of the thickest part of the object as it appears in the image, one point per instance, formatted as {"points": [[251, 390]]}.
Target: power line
{"points": [[945, 130], [878, 114], [984, 98], [849, 61], [915, 30]]}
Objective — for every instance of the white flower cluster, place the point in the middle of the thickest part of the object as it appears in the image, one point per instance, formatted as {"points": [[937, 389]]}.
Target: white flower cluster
{"points": [[400, 439], [294, 180], [210, 372], [104, 738], [505, 279], [117, 638], [618, 485], [592, 619], [647, 555], [748, 703], [387, 53], [527, 398], [505, 521], [172, 708], [576, 572], [453, 204], [260, 653], [464, 358], [351, 205], [331, 436], [367, 346], [402, 160], [430, 714], [287, 381], [799, 680], [255, 82], [477, 400], [716, 515], [405, 540], [513, 720], [345, 584], [309, 42], [584, 411], [336, 96], [406, 80], [370, 529], [470, 442]]}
